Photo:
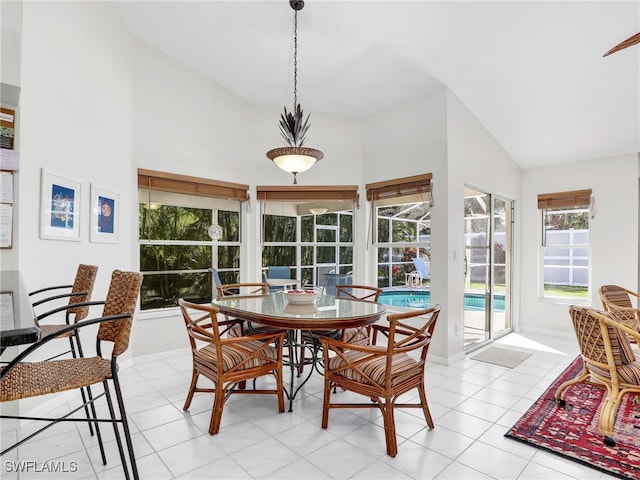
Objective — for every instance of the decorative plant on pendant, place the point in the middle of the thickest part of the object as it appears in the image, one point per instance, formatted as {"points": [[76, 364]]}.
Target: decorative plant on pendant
{"points": [[292, 128]]}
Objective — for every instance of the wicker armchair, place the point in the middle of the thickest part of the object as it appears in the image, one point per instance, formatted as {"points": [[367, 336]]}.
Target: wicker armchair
{"points": [[609, 362], [20, 379], [229, 362], [618, 299], [382, 373], [358, 335]]}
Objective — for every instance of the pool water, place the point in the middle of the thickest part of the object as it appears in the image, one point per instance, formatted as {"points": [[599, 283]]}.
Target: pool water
{"points": [[422, 299]]}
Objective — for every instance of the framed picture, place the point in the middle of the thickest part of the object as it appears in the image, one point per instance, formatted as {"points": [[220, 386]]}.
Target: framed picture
{"points": [[105, 215], [59, 207]]}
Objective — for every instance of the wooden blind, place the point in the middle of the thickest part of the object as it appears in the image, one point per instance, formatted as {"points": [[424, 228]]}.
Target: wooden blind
{"points": [[171, 182], [399, 187], [300, 192], [575, 198]]}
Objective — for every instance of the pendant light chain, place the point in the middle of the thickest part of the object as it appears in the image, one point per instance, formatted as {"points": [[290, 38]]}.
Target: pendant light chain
{"points": [[295, 59]]}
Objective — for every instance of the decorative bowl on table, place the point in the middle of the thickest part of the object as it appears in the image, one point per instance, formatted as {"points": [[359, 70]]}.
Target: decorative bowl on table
{"points": [[300, 309], [301, 297]]}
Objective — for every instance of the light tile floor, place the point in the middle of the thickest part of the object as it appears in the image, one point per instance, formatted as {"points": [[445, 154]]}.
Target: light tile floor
{"points": [[473, 404]]}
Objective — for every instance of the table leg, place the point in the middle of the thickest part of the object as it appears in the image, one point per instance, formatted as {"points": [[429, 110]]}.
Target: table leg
{"points": [[294, 362]]}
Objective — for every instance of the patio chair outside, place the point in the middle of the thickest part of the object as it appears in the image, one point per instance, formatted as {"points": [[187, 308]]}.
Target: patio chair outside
{"points": [[277, 272], [230, 361], [381, 373], [422, 272]]}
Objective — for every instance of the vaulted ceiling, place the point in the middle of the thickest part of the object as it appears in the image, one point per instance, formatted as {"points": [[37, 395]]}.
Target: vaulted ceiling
{"points": [[532, 72]]}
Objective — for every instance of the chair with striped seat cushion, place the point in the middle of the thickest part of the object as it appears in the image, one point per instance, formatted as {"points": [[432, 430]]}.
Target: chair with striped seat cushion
{"points": [[382, 372], [358, 335], [618, 299], [229, 362], [609, 361]]}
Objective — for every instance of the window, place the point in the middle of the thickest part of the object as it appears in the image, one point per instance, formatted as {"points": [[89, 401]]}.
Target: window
{"points": [[176, 252], [401, 226], [565, 246], [311, 243]]}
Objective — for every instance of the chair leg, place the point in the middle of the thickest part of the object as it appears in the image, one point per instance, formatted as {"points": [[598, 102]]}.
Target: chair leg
{"points": [[580, 378], [279, 389], [82, 392], [608, 415], [216, 413], [425, 406], [92, 407], [326, 402], [125, 426], [116, 432], [389, 427], [192, 389]]}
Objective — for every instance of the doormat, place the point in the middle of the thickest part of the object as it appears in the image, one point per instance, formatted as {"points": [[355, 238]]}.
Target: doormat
{"points": [[572, 431], [502, 356]]}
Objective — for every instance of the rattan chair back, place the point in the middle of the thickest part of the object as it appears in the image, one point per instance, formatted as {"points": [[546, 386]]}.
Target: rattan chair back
{"points": [[618, 299]]}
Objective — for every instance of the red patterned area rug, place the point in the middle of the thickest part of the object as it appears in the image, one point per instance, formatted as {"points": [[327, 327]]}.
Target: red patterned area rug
{"points": [[572, 431]]}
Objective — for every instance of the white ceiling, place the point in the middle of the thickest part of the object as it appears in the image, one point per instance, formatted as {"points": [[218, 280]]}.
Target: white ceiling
{"points": [[532, 72]]}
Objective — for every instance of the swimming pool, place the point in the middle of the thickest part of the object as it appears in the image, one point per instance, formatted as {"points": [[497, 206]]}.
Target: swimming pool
{"points": [[422, 299]]}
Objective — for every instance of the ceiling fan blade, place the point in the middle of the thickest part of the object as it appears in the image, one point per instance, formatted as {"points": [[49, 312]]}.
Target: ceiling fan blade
{"points": [[633, 40]]}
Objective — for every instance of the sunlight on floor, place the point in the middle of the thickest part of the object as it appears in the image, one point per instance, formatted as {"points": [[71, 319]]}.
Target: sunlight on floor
{"points": [[517, 340]]}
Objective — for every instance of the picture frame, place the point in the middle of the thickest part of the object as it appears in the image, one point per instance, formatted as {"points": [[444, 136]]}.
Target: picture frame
{"points": [[60, 207], [105, 215]]}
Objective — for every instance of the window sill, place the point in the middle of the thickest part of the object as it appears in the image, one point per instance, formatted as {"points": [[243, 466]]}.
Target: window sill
{"points": [[158, 313]]}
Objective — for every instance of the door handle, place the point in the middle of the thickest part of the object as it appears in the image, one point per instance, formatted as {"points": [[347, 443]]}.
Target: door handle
{"points": [[465, 265]]}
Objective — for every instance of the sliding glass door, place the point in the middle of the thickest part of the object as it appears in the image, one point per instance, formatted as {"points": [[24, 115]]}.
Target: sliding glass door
{"points": [[487, 273]]}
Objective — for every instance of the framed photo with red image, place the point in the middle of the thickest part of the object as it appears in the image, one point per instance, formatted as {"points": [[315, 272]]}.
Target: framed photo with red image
{"points": [[105, 215]]}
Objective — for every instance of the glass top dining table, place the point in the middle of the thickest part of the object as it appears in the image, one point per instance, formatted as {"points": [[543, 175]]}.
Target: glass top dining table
{"points": [[326, 314]]}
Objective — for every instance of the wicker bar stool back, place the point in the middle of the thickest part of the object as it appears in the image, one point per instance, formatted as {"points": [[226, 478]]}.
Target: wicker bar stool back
{"points": [[81, 292], [20, 379]]}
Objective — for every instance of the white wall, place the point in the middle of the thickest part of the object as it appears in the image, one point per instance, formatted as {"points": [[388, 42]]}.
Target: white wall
{"points": [[614, 232], [476, 159], [405, 140]]}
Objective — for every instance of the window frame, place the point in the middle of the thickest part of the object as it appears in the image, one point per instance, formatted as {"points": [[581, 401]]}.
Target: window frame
{"points": [[576, 201], [190, 192]]}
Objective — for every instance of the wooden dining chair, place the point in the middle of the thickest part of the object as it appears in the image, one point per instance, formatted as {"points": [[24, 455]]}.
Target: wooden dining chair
{"points": [[358, 335], [382, 373], [244, 290], [22, 379], [231, 361]]}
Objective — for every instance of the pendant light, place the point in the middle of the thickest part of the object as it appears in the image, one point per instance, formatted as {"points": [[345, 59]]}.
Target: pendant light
{"points": [[294, 157]]}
